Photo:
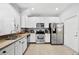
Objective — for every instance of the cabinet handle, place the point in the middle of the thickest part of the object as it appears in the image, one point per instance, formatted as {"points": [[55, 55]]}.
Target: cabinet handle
{"points": [[4, 52]]}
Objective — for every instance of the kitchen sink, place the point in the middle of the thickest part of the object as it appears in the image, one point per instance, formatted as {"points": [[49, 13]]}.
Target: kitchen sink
{"points": [[12, 37]]}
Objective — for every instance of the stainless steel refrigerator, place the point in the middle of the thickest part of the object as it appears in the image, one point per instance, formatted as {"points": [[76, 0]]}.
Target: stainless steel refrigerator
{"points": [[56, 33]]}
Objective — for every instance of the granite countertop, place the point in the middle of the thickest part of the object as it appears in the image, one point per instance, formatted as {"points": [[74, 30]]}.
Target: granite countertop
{"points": [[4, 42]]}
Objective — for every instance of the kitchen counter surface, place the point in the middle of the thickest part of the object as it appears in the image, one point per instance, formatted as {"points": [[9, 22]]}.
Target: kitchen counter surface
{"points": [[4, 42]]}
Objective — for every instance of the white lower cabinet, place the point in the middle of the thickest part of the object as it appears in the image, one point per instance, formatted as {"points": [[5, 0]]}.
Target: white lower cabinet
{"points": [[16, 48], [32, 37], [16, 52], [8, 50], [24, 44], [47, 37], [20, 46]]}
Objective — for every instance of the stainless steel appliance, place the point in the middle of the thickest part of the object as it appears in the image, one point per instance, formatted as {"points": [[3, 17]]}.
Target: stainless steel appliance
{"points": [[40, 25], [56, 33], [40, 36], [40, 33]]}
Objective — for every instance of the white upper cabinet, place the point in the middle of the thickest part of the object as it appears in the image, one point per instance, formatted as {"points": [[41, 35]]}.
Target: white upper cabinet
{"points": [[45, 20], [30, 22], [23, 21]]}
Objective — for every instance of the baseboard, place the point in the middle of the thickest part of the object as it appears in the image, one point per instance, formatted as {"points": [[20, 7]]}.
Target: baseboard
{"points": [[47, 42], [32, 42], [40, 43], [25, 50], [57, 44], [44, 43]]}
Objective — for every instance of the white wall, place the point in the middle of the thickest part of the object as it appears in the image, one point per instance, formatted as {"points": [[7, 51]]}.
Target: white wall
{"points": [[69, 12], [7, 12], [71, 27], [70, 32]]}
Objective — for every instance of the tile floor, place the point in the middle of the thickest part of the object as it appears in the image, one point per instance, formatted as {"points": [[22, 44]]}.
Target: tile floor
{"points": [[47, 49]]}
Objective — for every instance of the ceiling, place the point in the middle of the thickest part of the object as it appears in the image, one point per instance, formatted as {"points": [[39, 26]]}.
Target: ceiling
{"points": [[44, 9]]}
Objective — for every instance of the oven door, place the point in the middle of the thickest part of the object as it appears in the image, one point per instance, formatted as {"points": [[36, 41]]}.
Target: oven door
{"points": [[40, 38]]}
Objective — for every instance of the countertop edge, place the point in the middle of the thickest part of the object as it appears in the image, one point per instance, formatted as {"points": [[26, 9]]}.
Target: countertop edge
{"points": [[12, 41]]}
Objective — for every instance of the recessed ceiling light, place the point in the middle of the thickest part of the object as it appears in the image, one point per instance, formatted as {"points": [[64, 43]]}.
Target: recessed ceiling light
{"points": [[56, 8], [32, 8]]}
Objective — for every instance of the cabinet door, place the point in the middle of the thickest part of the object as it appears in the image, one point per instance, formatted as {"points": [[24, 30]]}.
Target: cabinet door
{"points": [[23, 21], [32, 38], [17, 48], [31, 22], [47, 37], [11, 51], [20, 47], [7, 50], [27, 23], [24, 44], [4, 51], [47, 22]]}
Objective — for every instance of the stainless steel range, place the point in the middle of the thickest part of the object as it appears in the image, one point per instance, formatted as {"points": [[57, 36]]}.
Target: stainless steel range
{"points": [[40, 33], [40, 36]]}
